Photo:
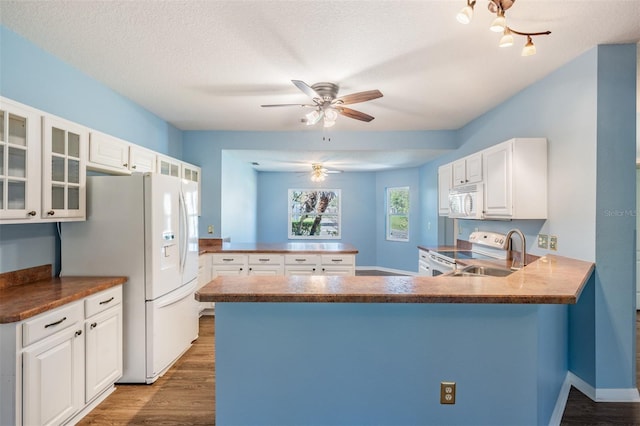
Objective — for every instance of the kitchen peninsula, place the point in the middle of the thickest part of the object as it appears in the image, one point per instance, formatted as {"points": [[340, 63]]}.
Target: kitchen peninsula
{"points": [[364, 350]]}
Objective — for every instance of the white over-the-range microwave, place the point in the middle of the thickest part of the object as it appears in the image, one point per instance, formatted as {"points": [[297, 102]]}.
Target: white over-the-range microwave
{"points": [[465, 202]]}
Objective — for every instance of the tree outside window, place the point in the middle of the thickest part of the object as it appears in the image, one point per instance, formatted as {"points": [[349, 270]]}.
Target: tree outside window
{"points": [[398, 214], [314, 213]]}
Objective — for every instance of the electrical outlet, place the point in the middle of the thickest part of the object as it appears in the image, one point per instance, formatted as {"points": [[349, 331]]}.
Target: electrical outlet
{"points": [[210, 229], [543, 241], [447, 392], [553, 242]]}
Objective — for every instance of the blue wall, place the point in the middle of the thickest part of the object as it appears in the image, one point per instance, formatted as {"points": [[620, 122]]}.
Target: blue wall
{"points": [[382, 364], [238, 203], [398, 254], [38, 79], [204, 148], [358, 208]]}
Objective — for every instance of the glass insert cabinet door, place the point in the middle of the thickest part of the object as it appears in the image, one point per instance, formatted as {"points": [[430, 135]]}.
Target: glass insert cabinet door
{"points": [[19, 161], [64, 169]]}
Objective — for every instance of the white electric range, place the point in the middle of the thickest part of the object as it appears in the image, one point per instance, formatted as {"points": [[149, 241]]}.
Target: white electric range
{"points": [[484, 246]]}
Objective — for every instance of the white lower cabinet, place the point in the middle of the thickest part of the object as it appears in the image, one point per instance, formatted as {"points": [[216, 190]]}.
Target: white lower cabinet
{"points": [[218, 264], [314, 264], [229, 264], [103, 341], [53, 374], [56, 366], [265, 264]]}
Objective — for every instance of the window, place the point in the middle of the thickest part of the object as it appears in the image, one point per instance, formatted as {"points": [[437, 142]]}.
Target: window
{"points": [[398, 214], [314, 213]]}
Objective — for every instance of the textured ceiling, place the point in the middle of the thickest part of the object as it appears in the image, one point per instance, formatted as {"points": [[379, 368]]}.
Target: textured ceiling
{"points": [[209, 65]]}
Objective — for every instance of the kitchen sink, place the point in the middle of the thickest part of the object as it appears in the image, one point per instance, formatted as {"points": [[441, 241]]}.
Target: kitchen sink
{"points": [[477, 270]]}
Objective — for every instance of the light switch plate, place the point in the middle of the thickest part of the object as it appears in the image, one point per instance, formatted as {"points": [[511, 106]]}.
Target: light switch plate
{"points": [[543, 241]]}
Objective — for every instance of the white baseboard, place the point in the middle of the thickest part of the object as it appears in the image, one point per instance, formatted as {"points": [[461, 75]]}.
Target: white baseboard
{"points": [[561, 402], [380, 268], [597, 395], [604, 394]]}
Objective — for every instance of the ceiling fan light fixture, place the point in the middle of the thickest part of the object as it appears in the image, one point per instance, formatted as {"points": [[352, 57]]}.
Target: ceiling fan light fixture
{"points": [[318, 173], [313, 117], [330, 114], [529, 48], [466, 14]]}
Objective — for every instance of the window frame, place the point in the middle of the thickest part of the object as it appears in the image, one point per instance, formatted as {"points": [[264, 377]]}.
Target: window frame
{"points": [[335, 203], [403, 236]]}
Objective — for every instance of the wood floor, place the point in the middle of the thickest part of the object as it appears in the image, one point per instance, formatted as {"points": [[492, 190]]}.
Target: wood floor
{"points": [[185, 395], [582, 411]]}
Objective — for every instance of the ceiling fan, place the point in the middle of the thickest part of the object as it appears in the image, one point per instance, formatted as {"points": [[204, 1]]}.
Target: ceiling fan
{"points": [[326, 105], [319, 173]]}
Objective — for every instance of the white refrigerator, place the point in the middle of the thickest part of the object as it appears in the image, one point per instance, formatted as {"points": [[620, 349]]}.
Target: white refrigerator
{"points": [[145, 227]]}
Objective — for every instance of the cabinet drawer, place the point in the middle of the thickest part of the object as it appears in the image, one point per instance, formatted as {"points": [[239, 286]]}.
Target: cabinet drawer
{"points": [[301, 259], [231, 259], [337, 259], [102, 301], [51, 322], [265, 259]]}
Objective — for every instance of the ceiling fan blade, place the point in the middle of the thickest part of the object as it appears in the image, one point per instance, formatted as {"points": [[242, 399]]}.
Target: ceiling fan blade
{"points": [[352, 113], [306, 89], [289, 105], [355, 98]]}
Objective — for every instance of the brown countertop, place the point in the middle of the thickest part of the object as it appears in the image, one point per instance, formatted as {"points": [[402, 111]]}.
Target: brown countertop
{"points": [[24, 294], [289, 247], [549, 280]]}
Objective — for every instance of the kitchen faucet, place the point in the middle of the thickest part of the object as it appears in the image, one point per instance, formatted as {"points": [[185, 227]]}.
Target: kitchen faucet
{"points": [[523, 252]]}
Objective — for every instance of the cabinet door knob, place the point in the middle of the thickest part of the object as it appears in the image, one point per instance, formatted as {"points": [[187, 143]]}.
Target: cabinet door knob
{"points": [[94, 324], [125, 165], [32, 213], [50, 213], [133, 167], [78, 333]]}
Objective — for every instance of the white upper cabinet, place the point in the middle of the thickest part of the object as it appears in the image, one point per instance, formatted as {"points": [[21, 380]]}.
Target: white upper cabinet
{"points": [[107, 152], [444, 185], [168, 166], [514, 175], [64, 174], [20, 159], [110, 154], [467, 170], [141, 159], [193, 173], [515, 179]]}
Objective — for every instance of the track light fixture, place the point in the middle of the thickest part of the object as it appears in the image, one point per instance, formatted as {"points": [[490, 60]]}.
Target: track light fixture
{"points": [[499, 24]]}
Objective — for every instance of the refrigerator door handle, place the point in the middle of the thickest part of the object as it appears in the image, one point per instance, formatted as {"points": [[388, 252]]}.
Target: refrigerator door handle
{"points": [[183, 232]]}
